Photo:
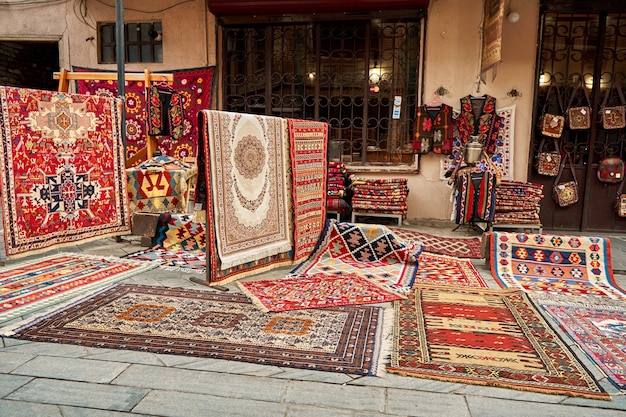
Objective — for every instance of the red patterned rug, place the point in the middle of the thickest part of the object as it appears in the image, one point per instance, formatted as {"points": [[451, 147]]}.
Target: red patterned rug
{"points": [[218, 325], [315, 291], [30, 286], [460, 247], [369, 250], [62, 170], [484, 337], [194, 87], [598, 326], [555, 264], [448, 270], [309, 141]]}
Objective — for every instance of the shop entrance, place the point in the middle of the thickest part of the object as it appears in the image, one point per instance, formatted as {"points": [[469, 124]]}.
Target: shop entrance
{"points": [[29, 64]]}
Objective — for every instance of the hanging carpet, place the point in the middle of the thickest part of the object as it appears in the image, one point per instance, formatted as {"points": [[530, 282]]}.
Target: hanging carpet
{"points": [[556, 264], [30, 286], [370, 250], [461, 247], [315, 291], [448, 270], [308, 144], [62, 170], [217, 325], [193, 87], [484, 337], [598, 326]]}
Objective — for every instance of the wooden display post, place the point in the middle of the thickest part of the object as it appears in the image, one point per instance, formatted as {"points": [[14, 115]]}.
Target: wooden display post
{"points": [[64, 77]]}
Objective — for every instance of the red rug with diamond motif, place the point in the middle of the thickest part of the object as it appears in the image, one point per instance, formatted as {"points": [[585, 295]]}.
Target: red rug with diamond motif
{"points": [[315, 291], [460, 247], [484, 337], [556, 264], [448, 270]]}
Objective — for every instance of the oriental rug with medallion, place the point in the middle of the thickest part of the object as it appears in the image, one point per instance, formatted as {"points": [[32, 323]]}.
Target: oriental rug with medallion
{"points": [[484, 337], [61, 169], [29, 286], [217, 325], [554, 264]]}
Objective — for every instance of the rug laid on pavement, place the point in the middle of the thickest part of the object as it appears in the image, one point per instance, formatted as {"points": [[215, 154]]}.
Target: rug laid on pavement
{"points": [[248, 167], [172, 260], [484, 337], [30, 286], [448, 270], [308, 144], [370, 250], [315, 291], [460, 247], [61, 170], [194, 87], [555, 264], [217, 325], [598, 326]]}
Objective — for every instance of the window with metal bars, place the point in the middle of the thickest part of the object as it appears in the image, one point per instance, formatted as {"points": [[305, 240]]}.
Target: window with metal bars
{"points": [[143, 42], [359, 76]]}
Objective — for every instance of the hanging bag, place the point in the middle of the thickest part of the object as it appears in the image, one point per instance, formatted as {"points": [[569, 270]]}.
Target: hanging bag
{"points": [[611, 170], [565, 193], [614, 117], [620, 201], [551, 123], [548, 162], [579, 117]]}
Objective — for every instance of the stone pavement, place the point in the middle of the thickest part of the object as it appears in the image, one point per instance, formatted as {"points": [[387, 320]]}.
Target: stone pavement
{"points": [[54, 380]]}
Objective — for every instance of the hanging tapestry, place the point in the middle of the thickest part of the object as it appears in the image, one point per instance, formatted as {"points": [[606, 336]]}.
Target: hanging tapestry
{"points": [[248, 168], [598, 326], [193, 86], [309, 141], [369, 250], [502, 157], [555, 264], [484, 336], [62, 169]]}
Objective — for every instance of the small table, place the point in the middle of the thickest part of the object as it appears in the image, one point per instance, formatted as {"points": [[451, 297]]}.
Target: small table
{"points": [[398, 217]]}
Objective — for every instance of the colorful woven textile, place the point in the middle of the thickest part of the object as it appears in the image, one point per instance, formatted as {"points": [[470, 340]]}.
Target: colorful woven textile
{"points": [[218, 325], [309, 142], [448, 270], [248, 170], [159, 185], [598, 327], [172, 260], [556, 264], [315, 291], [30, 286], [484, 337], [178, 232], [388, 195], [460, 247], [193, 86], [370, 250], [518, 203], [476, 197], [62, 169]]}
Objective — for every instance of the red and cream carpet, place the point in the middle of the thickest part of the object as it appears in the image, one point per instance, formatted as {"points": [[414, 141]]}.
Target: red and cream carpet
{"points": [[448, 270], [460, 247]]}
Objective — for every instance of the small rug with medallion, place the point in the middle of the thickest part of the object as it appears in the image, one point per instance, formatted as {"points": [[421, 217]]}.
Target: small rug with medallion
{"points": [[315, 291], [172, 260], [598, 326], [448, 270], [483, 336], [29, 286], [460, 247], [370, 250], [555, 264], [219, 325]]}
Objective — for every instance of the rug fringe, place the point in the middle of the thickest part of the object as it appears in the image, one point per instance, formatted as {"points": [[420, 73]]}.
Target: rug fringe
{"points": [[386, 340], [183, 269]]}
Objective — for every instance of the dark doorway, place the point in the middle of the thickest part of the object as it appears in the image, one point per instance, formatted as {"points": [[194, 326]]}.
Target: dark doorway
{"points": [[29, 64]]}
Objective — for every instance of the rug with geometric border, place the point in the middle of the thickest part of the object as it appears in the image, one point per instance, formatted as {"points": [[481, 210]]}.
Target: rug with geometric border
{"points": [[448, 270], [484, 337], [315, 291], [460, 247], [220, 325]]}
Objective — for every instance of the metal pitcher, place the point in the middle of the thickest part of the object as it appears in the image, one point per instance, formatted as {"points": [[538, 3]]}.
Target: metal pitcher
{"points": [[473, 151]]}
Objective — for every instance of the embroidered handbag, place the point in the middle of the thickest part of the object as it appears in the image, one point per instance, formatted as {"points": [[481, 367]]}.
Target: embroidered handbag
{"points": [[614, 117], [579, 117], [552, 124], [611, 170], [620, 202], [548, 162], [565, 193]]}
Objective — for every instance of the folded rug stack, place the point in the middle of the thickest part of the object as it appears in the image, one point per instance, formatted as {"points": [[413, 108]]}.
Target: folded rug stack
{"points": [[380, 196], [338, 194], [518, 203]]}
